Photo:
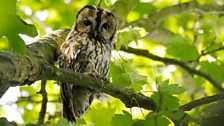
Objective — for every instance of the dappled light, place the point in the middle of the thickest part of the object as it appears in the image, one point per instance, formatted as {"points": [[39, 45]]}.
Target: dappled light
{"points": [[169, 51]]}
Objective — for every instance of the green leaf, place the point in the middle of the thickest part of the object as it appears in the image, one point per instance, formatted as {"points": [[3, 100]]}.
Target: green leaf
{"points": [[123, 7], [156, 98], [17, 43], [177, 115], [162, 121], [5, 122], [128, 66], [62, 122], [4, 43], [117, 69], [199, 81], [122, 119], [123, 79], [99, 115], [214, 70], [138, 123], [150, 120], [29, 89], [128, 74], [170, 102], [145, 8], [154, 119], [129, 34], [164, 99], [180, 48], [11, 25], [28, 115], [137, 81], [172, 89], [65, 122]]}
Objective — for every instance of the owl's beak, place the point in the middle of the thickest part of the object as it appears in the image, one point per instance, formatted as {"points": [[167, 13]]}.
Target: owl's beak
{"points": [[93, 34]]}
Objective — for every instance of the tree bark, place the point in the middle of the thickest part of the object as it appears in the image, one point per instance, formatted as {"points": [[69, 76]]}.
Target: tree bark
{"points": [[18, 69]]}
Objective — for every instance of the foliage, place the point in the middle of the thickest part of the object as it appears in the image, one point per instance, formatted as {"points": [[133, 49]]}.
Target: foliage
{"points": [[190, 35], [11, 25]]}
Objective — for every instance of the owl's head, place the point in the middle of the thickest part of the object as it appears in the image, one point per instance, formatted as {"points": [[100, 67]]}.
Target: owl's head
{"points": [[97, 23]]}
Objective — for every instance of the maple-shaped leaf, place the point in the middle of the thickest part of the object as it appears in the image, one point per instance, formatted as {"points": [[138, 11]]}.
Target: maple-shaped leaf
{"points": [[12, 25]]}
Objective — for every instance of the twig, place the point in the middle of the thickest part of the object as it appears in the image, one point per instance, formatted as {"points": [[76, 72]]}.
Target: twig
{"points": [[30, 99], [205, 100], [99, 3], [203, 53], [44, 102], [191, 70], [155, 19]]}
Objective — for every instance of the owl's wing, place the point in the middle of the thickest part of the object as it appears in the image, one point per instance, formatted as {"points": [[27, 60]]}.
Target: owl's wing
{"points": [[69, 51], [75, 99], [71, 48]]}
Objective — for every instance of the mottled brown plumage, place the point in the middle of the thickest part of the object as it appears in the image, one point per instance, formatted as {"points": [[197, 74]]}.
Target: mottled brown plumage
{"points": [[87, 50]]}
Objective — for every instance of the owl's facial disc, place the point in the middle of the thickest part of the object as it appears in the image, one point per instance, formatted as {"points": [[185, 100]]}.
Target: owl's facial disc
{"points": [[98, 23], [85, 19]]}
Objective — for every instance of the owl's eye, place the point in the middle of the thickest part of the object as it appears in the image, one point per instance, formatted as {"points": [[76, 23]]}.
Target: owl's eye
{"points": [[105, 26], [87, 22]]}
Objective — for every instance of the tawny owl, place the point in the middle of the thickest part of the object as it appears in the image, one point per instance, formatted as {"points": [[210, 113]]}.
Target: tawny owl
{"points": [[87, 50]]}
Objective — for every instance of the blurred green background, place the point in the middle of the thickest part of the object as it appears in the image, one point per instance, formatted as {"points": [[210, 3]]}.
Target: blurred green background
{"points": [[194, 37]]}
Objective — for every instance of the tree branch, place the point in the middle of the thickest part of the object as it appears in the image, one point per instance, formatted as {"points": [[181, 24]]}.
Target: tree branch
{"points": [[38, 64], [19, 70], [184, 8], [124, 94], [205, 100], [191, 70], [43, 110], [204, 52], [154, 19]]}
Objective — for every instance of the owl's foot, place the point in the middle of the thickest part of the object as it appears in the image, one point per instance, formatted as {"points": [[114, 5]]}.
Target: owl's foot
{"points": [[95, 75], [106, 79]]}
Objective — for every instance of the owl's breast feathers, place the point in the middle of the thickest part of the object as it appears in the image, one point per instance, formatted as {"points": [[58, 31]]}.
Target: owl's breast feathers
{"points": [[86, 55], [82, 54]]}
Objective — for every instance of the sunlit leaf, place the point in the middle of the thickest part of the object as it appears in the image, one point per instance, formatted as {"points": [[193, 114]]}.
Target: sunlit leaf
{"points": [[145, 8], [129, 34], [170, 102], [199, 81], [175, 115], [185, 36], [170, 89], [122, 119], [123, 7], [164, 99], [157, 99], [99, 115], [156, 120], [214, 70], [11, 25], [181, 49], [128, 75], [65, 122]]}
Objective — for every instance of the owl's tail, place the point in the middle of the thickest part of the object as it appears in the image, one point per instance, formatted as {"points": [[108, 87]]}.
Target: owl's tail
{"points": [[76, 100]]}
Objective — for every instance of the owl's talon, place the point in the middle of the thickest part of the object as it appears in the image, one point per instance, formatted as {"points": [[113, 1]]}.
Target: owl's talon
{"points": [[106, 79], [96, 76]]}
